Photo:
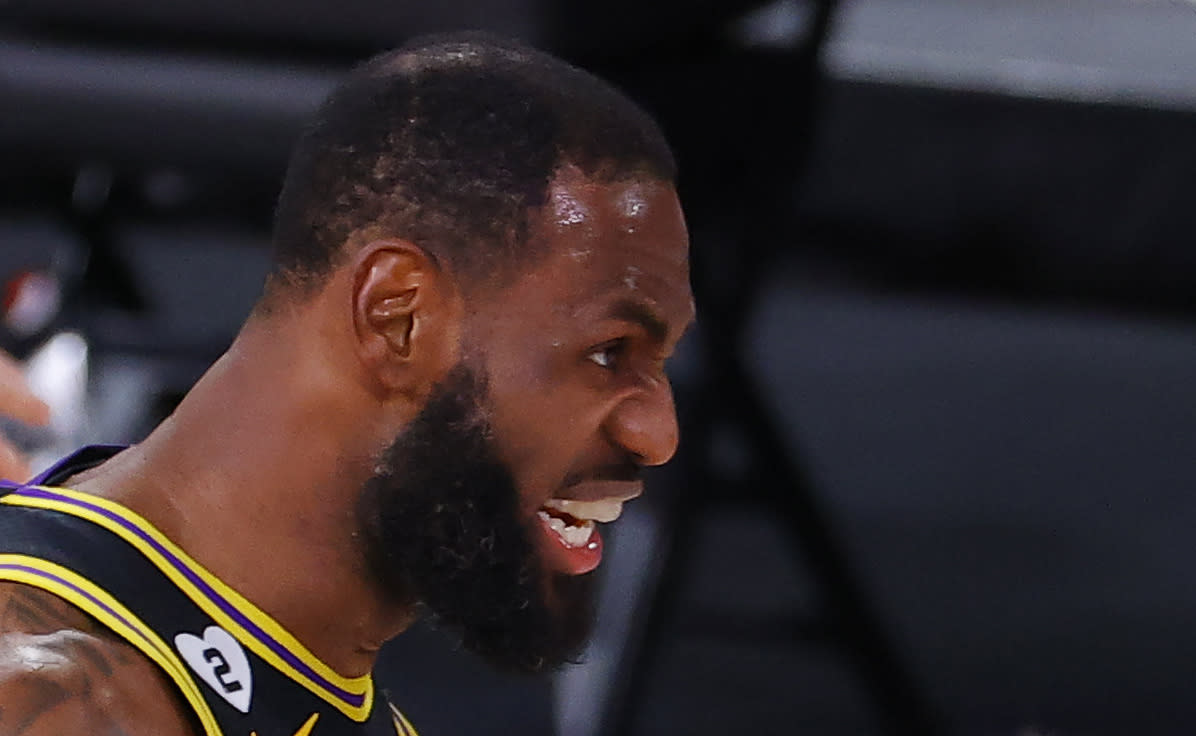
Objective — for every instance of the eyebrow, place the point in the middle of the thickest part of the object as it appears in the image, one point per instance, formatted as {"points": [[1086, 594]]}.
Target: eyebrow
{"points": [[644, 315]]}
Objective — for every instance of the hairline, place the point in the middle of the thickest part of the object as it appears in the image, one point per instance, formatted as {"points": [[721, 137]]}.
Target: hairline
{"points": [[299, 287]]}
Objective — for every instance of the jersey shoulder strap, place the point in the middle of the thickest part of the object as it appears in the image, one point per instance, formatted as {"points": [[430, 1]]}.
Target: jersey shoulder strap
{"points": [[237, 668]]}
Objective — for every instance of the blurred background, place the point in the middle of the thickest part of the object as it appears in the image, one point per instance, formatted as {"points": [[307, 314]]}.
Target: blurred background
{"points": [[937, 474]]}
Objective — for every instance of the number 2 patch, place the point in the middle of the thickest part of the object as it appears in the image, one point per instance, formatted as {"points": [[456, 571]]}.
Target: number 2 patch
{"points": [[221, 662]]}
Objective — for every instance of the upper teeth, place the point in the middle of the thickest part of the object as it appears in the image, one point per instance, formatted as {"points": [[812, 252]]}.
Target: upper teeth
{"points": [[603, 511]]}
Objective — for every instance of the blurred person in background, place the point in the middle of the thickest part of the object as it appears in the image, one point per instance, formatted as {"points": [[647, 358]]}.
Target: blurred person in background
{"points": [[17, 402], [455, 370]]}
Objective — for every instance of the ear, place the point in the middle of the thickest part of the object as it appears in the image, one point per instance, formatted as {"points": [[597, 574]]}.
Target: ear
{"points": [[406, 316]]}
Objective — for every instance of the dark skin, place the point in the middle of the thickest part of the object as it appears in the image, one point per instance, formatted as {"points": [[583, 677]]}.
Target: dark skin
{"points": [[63, 673], [315, 388]]}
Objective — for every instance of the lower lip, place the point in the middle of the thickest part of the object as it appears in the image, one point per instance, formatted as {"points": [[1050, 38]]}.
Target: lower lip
{"points": [[560, 557]]}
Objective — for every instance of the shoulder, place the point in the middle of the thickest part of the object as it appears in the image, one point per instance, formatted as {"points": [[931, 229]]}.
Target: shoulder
{"points": [[28, 610], [61, 674]]}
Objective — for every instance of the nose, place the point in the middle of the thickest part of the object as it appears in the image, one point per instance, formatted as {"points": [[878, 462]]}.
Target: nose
{"points": [[645, 424]]}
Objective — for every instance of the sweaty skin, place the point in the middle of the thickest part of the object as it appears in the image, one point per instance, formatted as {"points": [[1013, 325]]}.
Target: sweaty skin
{"points": [[63, 673], [580, 389], [296, 414]]}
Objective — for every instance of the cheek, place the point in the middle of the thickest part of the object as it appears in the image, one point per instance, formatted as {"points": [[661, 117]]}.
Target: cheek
{"points": [[543, 422], [538, 429]]}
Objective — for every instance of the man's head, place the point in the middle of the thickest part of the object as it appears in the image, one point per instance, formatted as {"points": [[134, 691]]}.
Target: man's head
{"points": [[501, 267], [451, 141]]}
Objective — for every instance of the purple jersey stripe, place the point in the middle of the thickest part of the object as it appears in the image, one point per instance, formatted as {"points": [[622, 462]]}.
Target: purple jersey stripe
{"points": [[68, 584], [254, 630]]}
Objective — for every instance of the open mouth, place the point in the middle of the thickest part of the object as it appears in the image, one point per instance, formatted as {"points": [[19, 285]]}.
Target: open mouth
{"points": [[573, 532], [575, 545], [574, 520]]}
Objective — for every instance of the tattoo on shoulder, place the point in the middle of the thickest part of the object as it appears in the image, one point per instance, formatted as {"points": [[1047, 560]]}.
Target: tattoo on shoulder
{"points": [[61, 669], [34, 611], [61, 682], [37, 698]]}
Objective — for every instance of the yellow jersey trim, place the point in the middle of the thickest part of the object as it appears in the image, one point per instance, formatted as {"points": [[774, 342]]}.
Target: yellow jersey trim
{"points": [[402, 725], [101, 605], [75, 503], [305, 729]]}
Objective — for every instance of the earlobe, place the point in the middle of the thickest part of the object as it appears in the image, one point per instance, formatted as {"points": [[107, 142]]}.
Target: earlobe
{"points": [[400, 309]]}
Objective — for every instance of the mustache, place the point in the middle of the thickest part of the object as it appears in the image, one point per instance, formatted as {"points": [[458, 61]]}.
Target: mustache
{"points": [[627, 471]]}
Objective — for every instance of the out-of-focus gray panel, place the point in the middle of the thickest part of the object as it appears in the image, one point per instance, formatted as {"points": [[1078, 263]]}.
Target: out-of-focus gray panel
{"points": [[1122, 51]]}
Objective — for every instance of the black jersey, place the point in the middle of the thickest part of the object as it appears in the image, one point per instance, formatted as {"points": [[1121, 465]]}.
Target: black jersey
{"points": [[241, 673]]}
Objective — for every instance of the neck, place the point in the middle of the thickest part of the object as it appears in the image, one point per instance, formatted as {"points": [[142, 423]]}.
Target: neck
{"points": [[255, 475]]}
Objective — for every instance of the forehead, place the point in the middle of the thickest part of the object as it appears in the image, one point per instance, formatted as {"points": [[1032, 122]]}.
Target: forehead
{"points": [[605, 240]]}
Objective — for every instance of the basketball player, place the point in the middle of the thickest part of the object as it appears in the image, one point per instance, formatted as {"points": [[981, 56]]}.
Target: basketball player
{"points": [[455, 370]]}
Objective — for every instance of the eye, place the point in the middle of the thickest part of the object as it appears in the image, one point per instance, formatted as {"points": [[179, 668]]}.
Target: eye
{"points": [[607, 355]]}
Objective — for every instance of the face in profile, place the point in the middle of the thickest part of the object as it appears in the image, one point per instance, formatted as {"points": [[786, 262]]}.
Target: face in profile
{"points": [[484, 508], [444, 528]]}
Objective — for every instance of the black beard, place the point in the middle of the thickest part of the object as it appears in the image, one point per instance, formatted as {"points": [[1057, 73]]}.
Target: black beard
{"points": [[442, 527]]}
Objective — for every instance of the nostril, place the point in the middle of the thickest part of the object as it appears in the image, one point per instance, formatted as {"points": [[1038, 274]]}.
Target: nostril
{"points": [[644, 425]]}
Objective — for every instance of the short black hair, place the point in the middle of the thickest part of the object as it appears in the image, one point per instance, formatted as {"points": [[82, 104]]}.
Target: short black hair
{"points": [[449, 142]]}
